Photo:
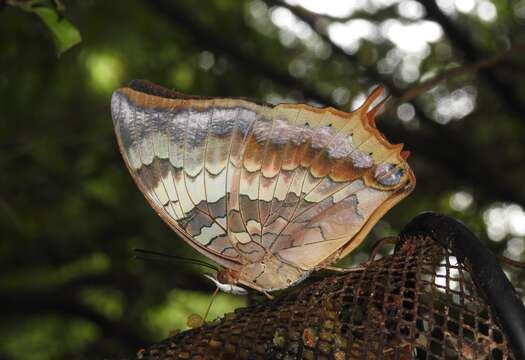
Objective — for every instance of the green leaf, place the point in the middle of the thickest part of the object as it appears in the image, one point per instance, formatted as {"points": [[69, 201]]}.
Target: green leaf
{"points": [[65, 34]]}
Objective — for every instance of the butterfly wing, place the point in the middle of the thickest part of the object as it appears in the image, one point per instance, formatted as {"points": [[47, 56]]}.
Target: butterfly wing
{"points": [[238, 180], [312, 184], [182, 153]]}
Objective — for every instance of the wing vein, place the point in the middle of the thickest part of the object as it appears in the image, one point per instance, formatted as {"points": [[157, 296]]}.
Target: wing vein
{"points": [[210, 121], [265, 153], [240, 170], [228, 164]]}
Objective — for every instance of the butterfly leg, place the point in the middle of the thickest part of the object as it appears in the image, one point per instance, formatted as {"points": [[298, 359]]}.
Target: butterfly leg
{"points": [[270, 297], [379, 244], [375, 250], [343, 270], [209, 306], [195, 320], [256, 287]]}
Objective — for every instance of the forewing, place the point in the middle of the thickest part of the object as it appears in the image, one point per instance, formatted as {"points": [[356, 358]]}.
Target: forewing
{"points": [[181, 152]]}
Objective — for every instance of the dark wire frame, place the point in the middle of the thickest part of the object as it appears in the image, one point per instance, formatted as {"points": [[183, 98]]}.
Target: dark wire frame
{"points": [[440, 295], [485, 271]]}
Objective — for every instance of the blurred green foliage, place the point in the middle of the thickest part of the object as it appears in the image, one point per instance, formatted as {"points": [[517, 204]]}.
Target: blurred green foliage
{"points": [[70, 214], [64, 34]]}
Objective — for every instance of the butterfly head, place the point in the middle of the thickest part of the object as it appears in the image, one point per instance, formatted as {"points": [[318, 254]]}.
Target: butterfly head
{"points": [[228, 276]]}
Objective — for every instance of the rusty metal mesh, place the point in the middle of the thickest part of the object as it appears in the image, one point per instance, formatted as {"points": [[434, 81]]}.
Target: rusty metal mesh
{"points": [[418, 303]]}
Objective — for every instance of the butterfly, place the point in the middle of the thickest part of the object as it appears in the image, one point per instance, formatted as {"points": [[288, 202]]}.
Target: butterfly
{"points": [[270, 193]]}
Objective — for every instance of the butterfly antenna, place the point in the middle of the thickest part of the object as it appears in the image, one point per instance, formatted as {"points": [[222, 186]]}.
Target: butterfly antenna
{"points": [[183, 260], [155, 255]]}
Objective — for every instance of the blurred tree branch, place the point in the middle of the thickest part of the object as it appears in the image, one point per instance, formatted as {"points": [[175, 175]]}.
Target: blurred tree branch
{"points": [[320, 29], [324, 19], [459, 39], [412, 93], [463, 43]]}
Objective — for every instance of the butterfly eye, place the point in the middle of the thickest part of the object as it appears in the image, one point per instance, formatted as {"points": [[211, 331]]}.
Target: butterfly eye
{"points": [[388, 174]]}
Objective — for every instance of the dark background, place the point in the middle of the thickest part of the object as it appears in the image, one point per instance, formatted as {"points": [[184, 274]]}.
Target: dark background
{"points": [[70, 214]]}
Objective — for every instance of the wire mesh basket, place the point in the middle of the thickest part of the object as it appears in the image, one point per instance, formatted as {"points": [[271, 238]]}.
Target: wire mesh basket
{"points": [[440, 295]]}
